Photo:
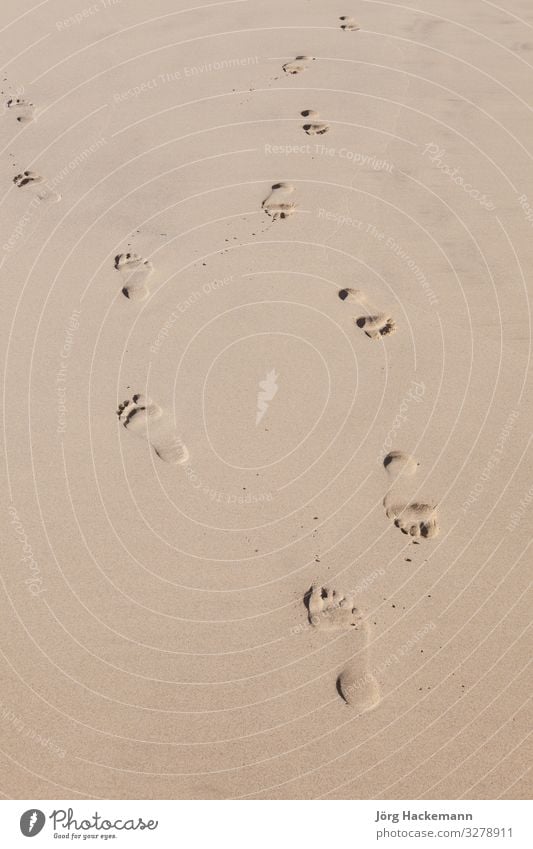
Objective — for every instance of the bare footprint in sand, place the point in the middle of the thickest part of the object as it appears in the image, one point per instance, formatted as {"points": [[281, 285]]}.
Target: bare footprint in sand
{"points": [[298, 65], [135, 272], [276, 205], [316, 128], [37, 183], [349, 24], [412, 517], [23, 109], [145, 418], [374, 324], [330, 610]]}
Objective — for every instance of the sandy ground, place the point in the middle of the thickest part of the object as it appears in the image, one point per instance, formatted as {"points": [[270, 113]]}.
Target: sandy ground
{"points": [[216, 600]]}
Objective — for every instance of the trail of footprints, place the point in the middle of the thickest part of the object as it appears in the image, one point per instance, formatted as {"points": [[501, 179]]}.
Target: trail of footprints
{"points": [[328, 609], [24, 112], [301, 63]]}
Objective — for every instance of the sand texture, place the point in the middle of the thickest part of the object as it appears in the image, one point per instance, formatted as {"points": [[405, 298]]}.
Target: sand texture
{"points": [[266, 333]]}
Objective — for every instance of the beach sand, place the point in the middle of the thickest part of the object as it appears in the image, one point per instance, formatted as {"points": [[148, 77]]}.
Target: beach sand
{"points": [[294, 253]]}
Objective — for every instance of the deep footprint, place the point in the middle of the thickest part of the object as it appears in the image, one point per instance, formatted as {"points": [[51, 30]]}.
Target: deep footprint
{"points": [[276, 205], [135, 272], [145, 418], [36, 182], [298, 65], [330, 610], [23, 109], [315, 128]]}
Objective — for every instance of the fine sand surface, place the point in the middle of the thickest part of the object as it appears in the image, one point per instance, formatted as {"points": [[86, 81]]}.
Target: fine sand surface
{"points": [[290, 244]]}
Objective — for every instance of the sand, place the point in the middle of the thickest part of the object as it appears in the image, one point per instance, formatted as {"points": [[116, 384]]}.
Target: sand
{"points": [[290, 244]]}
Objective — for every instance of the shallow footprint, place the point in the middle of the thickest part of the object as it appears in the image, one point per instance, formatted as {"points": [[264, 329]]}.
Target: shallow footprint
{"points": [[145, 418], [316, 128], [298, 65], [358, 688], [23, 109], [349, 24], [415, 518], [376, 326], [134, 271], [275, 204], [330, 610], [35, 181]]}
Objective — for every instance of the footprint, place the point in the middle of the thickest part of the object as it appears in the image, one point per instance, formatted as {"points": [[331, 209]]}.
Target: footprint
{"points": [[358, 687], [376, 326], [349, 24], [415, 518], [299, 65], [330, 610], [134, 271], [275, 205], [145, 418], [23, 109], [317, 128], [35, 181]]}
